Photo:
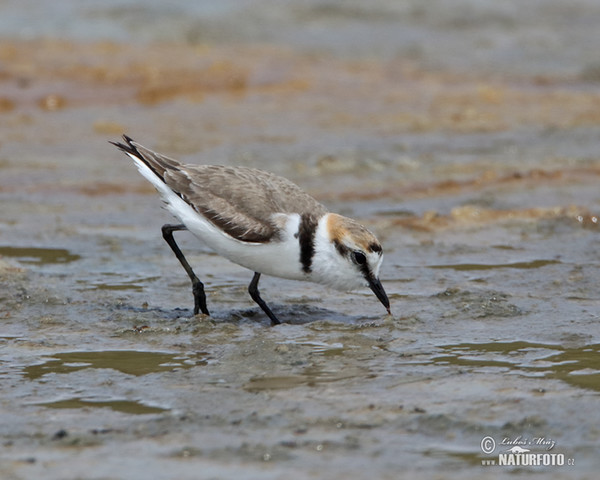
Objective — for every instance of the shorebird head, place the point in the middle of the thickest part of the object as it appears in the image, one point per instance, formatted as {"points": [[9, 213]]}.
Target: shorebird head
{"points": [[350, 256]]}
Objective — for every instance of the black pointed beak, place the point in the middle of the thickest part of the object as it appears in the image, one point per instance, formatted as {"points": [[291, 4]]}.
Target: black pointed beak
{"points": [[378, 290]]}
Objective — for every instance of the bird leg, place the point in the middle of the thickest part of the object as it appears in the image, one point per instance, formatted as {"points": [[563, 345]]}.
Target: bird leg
{"points": [[255, 294], [197, 285]]}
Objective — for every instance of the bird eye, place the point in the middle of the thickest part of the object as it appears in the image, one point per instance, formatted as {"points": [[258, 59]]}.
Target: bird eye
{"points": [[359, 258]]}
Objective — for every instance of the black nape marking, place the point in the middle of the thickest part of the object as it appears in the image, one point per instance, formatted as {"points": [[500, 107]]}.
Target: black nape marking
{"points": [[306, 239]]}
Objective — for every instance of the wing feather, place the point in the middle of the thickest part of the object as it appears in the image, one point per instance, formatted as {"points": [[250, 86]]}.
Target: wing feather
{"points": [[244, 202]]}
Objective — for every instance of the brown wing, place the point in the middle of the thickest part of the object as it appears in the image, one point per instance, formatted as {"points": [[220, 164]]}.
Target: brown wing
{"points": [[240, 200]]}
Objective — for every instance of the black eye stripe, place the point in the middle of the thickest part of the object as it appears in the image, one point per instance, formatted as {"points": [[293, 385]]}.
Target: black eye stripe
{"points": [[358, 257]]}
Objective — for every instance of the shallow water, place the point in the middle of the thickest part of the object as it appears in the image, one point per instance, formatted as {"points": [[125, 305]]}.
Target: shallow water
{"points": [[32, 255], [465, 135], [128, 362]]}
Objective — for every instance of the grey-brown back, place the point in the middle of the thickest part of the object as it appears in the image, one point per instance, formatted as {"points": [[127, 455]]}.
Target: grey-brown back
{"points": [[240, 200]]}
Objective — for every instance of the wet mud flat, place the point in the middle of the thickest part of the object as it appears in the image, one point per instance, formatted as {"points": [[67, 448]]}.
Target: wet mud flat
{"points": [[482, 188], [106, 376]]}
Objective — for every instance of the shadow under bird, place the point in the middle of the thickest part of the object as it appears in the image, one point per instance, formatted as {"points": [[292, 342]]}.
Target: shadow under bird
{"points": [[262, 222]]}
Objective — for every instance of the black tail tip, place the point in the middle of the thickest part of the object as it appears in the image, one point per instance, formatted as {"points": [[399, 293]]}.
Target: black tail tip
{"points": [[127, 147], [128, 139]]}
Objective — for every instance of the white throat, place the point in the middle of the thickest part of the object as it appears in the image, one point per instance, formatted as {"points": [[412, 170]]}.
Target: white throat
{"points": [[328, 266]]}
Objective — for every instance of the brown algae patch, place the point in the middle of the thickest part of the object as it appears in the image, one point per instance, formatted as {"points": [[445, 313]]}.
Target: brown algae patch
{"points": [[105, 71], [130, 362], [465, 267], [579, 367], [39, 256], [479, 181], [117, 282], [123, 406], [473, 216], [62, 74]]}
